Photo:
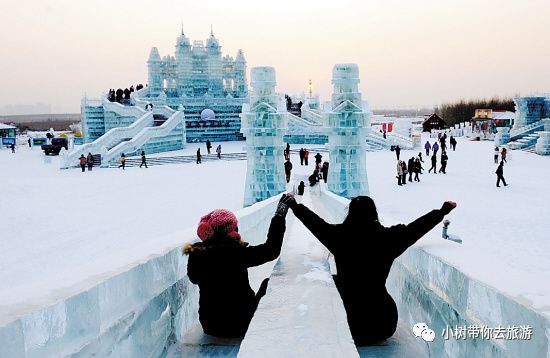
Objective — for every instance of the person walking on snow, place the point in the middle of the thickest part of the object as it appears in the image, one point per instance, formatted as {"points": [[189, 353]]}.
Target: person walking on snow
{"points": [[219, 266], [318, 159], [199, 156], [434, 164], [301, 188], [219, 151], [503, 154], [302, 156], [399, 172], [452, 141], [500, 174], [411, 168], [12, 146], [30, 142], [497, 151], [364, 251], [427, 146], [397, 151], [324, 171], [288, 169], [122, 162], [420, 157], [435, 147], [306, 156], [208, 146], [417, 169], [90, 160], [82, 161], [143, 159], [444, 159]]}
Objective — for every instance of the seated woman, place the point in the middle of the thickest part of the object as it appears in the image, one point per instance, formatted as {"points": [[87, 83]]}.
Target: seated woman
{"points": [[219, 266], [364, 251]]}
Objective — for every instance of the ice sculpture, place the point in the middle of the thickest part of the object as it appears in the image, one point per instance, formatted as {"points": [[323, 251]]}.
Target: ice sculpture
{"points": [[347, 127], [543, 143], [528, 110], [263, 123], [502, 137]]}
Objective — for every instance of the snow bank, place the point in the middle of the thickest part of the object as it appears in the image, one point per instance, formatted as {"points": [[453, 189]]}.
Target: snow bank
{"points": [[129, 313]]}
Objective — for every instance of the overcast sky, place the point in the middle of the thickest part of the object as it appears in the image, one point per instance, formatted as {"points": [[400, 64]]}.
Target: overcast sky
{"points": [[411, 53]]}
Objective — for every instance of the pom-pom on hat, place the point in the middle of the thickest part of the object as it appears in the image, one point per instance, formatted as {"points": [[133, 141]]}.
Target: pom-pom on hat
{"points": [[218, 222]]}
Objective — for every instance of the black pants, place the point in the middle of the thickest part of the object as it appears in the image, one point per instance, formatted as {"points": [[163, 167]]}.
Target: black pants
{"points": [[443, 167], [399, 179], [499, 178], [90, 166], [496, 158], [410, 176], [416, 178], [123, 165], [287, 177], [83, 166], [434, 168], [404, 179], [219, 155], [427, 152], [305, 159], [143, 162], [301, 161], [397, 154]]}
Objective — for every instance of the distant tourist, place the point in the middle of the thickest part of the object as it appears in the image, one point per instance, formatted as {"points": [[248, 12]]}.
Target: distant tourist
{"points": [[399, 173], [497, 152], [208, 146], [122, 161], [404, 171], [82, 160], [397, 151], [500, 174], [420, 157], [324, 170], [30, 142], [427, 146], [313, 178], [452, 141], [302, 152], [435, 147], [90, 160], [318, 159], [417, 169], [411, 169], [12, 146], [444, 159], [434, 164], [301, 188], [143, 159], [503, 154], [199, 156], [306, 156], [288, 169], [219, 151]]}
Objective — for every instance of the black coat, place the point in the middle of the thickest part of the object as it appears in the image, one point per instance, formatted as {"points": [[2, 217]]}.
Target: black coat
{"points": [[219, 266], [364, 255]]}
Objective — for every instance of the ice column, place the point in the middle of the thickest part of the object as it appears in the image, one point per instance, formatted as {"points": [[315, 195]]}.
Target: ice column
{"points": [[347, 127], [543, 143], [263, 123], [528, 110]]}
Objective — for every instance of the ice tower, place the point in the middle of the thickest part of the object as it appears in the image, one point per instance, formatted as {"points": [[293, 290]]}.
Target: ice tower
{"points": [[347, 127], [263, 123]]}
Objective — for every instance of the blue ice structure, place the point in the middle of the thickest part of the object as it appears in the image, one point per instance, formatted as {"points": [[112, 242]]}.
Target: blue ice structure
{"points": [[211, 88], [530, 113], [264, 122], [543, 142], [347, 126]]}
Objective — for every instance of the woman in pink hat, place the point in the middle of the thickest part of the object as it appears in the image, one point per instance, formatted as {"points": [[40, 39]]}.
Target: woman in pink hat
{"points": [[219, 263]]}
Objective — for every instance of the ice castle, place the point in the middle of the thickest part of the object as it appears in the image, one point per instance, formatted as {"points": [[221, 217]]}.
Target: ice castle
{"points": [[198, 80]]}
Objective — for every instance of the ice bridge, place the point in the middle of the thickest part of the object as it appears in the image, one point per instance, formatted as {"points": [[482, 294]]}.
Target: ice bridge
{"points": [[149, 308]]}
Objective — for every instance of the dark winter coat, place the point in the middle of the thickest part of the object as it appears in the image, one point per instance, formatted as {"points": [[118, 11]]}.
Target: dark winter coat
{"points": [[219, 266], [364, 255], [500, 170], [434, 159], [318, 158], [288, 167]]}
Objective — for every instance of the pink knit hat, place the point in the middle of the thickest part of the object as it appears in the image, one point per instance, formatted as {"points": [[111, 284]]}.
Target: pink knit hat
{"points": [[218, 222]]}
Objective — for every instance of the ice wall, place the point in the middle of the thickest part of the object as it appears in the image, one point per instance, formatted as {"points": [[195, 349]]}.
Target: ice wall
{"points": [[263, 123], [136, 311], [427, 289], [528, 110], [347, 127]]}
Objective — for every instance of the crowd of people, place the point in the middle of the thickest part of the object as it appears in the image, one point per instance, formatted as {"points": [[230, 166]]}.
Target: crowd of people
{"points": [[122, 95]]}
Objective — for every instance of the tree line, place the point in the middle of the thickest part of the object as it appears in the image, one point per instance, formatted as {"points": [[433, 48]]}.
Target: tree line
{"points": [[463, 111]]}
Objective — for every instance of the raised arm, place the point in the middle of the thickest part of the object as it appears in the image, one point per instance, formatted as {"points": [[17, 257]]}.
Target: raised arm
{"points": [[406, 235], [270, 250], [322, 230]]}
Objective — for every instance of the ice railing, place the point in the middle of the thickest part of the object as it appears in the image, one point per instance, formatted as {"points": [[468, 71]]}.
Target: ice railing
{"points": [[142, 137], [428, 289], [135, 310], [518, 132]]}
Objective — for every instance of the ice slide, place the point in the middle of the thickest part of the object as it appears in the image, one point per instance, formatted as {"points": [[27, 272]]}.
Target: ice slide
{"points": [[117, 135], [139, 310], [143, 136]]}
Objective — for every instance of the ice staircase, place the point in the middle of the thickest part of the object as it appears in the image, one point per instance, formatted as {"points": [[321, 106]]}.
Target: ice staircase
{"points": [[117, 135], [158, 129], [525, 137]]}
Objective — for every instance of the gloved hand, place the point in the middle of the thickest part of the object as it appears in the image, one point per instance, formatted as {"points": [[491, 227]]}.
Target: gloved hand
{"points": [[284, 204], [447, 207]]}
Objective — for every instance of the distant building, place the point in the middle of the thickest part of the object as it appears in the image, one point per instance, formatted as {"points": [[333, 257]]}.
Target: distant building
{"points": [[485, 119], [433, 122], [7, 130]]}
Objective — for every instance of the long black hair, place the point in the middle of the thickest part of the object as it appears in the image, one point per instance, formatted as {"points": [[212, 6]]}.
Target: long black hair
{"points": [[361, 210]]}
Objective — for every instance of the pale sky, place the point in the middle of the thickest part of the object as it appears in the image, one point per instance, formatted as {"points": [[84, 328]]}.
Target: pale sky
{"points": [[411, 53]]}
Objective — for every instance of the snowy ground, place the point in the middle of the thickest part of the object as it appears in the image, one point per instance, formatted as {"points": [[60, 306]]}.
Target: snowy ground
{"points": [[59, 228]]}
